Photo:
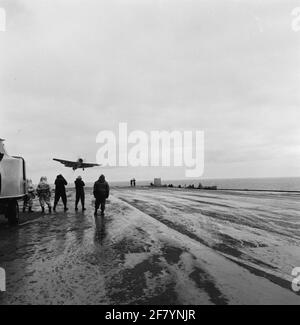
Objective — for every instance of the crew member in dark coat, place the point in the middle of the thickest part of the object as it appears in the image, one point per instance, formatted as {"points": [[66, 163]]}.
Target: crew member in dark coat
{"points": [[60, 191], [101, 193], [79, 184]]}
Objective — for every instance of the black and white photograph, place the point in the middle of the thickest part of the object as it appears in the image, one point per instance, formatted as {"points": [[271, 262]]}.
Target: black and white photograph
{"points": [[150, 154]]}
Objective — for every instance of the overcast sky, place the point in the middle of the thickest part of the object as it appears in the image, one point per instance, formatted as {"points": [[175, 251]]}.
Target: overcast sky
{"points": [[69, 69]]}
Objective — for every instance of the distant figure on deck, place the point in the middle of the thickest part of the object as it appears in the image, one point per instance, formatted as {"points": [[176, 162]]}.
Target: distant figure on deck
{"points": [[60, 191], [44, 193], [29, 197], [101, 193], [133, 182], [79, 184]]}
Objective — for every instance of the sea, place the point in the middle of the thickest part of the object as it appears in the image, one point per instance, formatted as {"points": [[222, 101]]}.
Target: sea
{"points": [[272, 184]]}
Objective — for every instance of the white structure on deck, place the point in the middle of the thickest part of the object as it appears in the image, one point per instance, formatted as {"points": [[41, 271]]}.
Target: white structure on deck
{"points": [[12, 184], [12, 175], [157, 181]]}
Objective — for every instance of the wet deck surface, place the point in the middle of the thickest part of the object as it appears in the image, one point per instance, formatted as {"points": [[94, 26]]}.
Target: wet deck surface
{"points": [[157, 247]]}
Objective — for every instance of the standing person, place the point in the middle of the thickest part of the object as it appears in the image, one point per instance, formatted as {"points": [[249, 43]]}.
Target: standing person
{"points": [[79, 185], [101, 193], [60, 191], [133, 182], [30, 195], [44, 193]]}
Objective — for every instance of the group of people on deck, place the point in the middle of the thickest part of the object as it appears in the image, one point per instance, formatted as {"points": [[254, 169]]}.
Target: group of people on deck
{"points": [[43, 191]]}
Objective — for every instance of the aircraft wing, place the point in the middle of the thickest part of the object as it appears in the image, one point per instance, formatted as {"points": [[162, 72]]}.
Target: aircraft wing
{"points": [[67, 163], [87, 165]]}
